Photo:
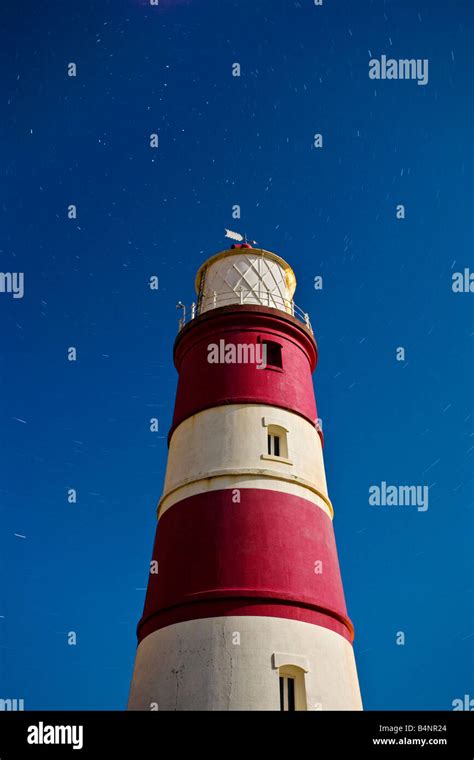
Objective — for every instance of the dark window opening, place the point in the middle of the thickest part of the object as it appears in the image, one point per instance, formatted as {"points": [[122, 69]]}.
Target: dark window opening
{"points": [[273, 351], [287, 694], [291, 694], [273, 445]]}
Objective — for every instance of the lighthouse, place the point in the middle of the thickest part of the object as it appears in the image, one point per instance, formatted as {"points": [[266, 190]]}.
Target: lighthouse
{"points": [[245, 607]]}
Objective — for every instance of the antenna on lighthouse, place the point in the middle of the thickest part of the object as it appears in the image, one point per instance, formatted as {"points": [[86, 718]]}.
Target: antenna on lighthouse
{"points": [[237, 236], [182, 320]]}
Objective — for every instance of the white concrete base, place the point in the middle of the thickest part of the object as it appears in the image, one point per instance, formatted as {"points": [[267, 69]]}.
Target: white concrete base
{"points": [[200, 665]]}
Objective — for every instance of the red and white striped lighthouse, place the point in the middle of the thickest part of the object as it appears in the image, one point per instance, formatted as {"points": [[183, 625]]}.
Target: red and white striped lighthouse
{"points": [[245, 607]]}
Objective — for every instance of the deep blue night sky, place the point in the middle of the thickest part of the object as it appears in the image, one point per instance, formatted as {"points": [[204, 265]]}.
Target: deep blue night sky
{"points": [[387, 283]]}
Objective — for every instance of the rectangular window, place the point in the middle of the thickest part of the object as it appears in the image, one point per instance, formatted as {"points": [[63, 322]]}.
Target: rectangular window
{"points": [[273, 351], [291, 694], [287, 694], [274, 445]]}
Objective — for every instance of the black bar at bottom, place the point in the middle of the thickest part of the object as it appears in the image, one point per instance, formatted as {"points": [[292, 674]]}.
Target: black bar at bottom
{"points": [[149, 734]]}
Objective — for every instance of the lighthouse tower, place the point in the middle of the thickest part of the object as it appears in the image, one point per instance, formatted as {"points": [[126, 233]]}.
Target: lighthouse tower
{"points": [[245, 607]]}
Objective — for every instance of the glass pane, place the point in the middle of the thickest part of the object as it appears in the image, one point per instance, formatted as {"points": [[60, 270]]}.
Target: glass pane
{"points": [[276, 444], [291, 694], [273, 354], [282, 693]]}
